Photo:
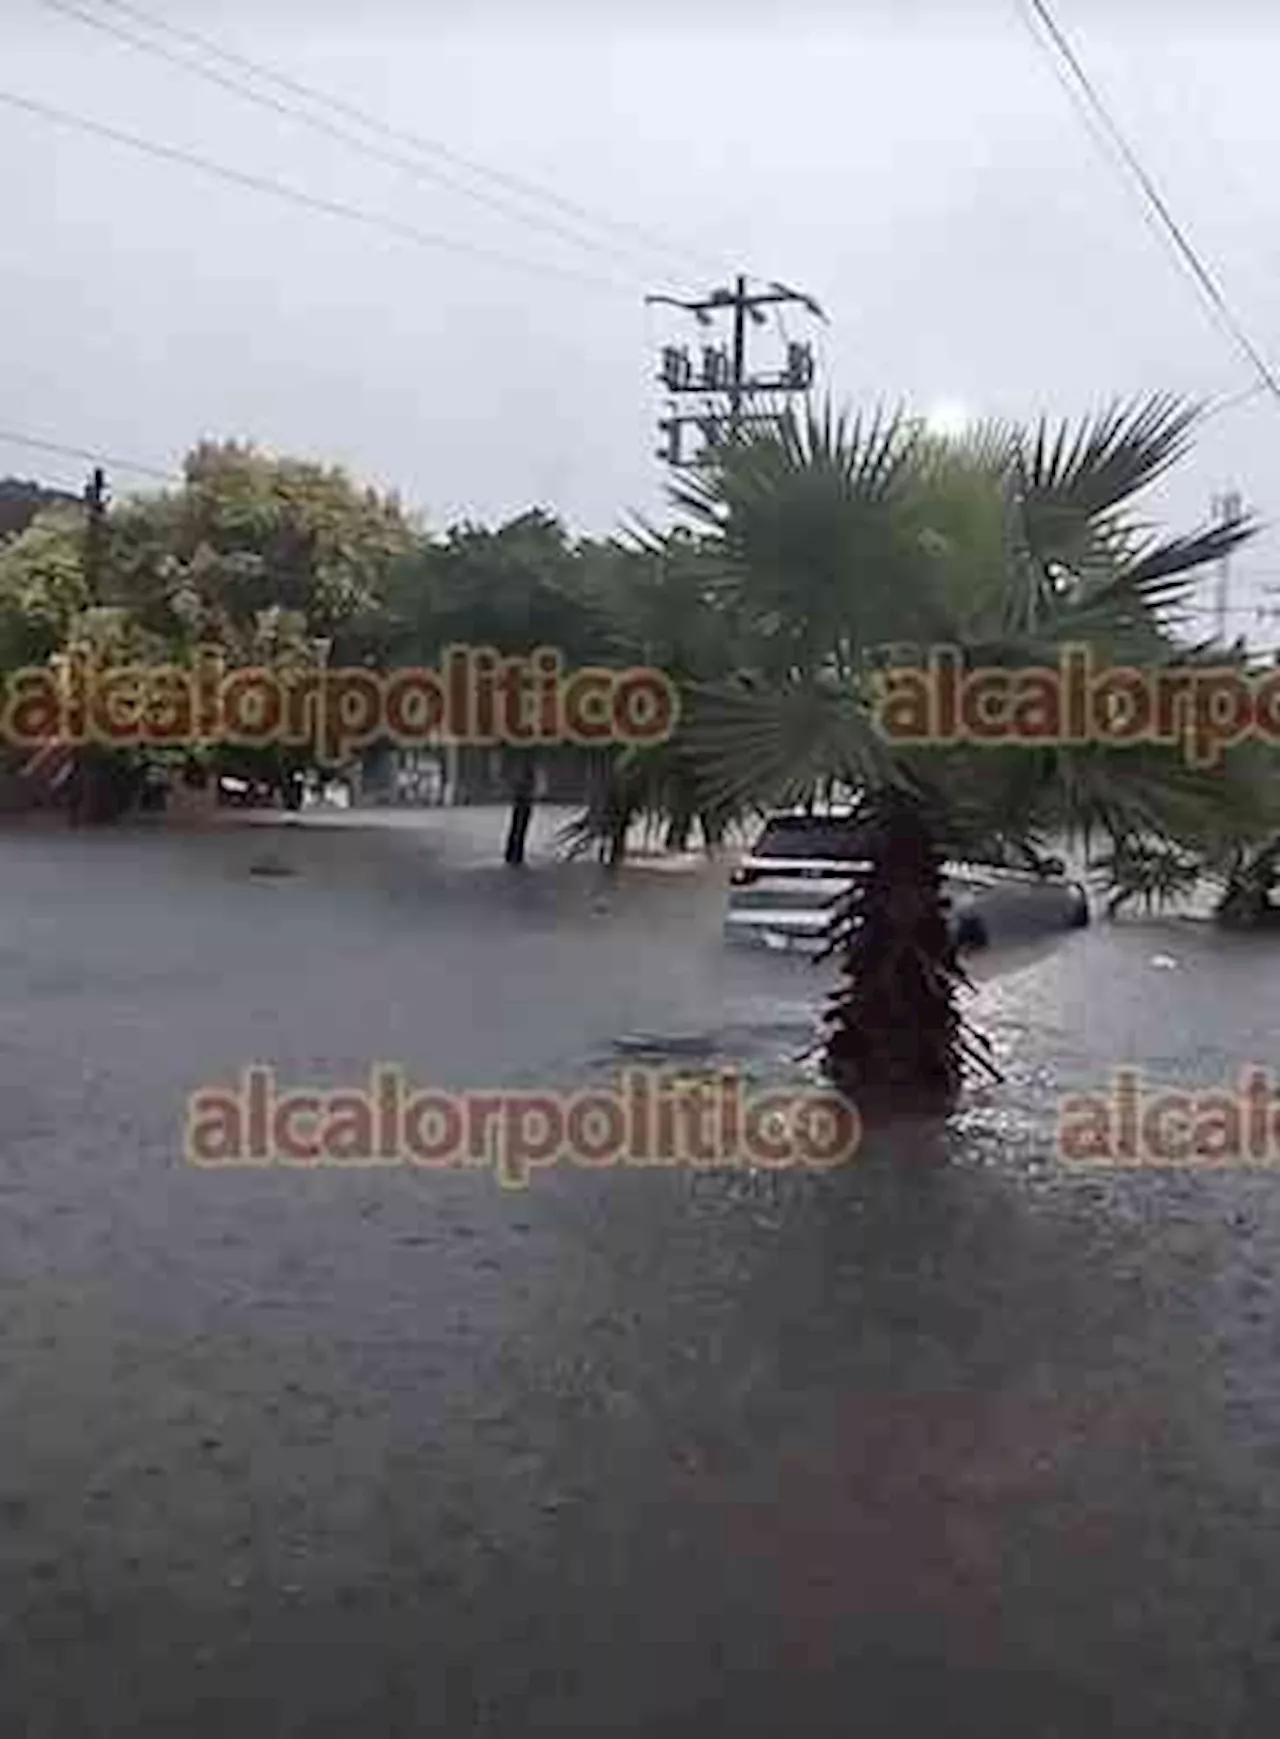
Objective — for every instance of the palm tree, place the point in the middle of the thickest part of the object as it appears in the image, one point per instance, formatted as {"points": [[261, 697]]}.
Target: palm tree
{"points": [[842, 546], [655, 604]]}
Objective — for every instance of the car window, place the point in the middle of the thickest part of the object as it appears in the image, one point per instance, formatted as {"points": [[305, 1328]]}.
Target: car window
{"points": [[812, 837]]}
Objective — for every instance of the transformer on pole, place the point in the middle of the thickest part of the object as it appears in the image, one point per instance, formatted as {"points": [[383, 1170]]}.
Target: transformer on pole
{"points": [[728, 394]]}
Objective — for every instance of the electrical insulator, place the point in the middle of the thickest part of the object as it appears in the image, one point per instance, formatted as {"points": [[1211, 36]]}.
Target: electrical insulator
{"points": [[800, 365], [715, 368], [677, 370], [670, 453]]}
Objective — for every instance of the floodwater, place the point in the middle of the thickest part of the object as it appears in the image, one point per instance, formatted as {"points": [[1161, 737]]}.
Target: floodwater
{"points": [[963, 1442]]}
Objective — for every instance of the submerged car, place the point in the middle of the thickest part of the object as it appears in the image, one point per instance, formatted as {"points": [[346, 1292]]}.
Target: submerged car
{"points": [[785, 890]]}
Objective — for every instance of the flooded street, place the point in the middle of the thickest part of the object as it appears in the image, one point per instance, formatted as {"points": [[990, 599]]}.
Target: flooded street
{"points": [[986, 1447]]}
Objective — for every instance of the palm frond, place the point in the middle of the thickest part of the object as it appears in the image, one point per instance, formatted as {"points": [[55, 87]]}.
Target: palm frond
{"points": [[814, 538], [1090, 469], [762, 745]]}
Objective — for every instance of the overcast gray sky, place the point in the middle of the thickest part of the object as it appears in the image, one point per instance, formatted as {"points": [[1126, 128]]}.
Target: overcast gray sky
{"points": [[917, 166]]}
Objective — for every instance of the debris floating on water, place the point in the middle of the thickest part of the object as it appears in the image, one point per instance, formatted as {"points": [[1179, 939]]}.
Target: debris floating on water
{"points": [[272, 867]]}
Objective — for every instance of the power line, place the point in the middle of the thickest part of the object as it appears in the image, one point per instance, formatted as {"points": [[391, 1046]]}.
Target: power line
{"points": [[14, 438], [1105, 143], [418, 170], [297, 196], [1108, 144], [1209, 288], [1234, 401], [525, 189]]}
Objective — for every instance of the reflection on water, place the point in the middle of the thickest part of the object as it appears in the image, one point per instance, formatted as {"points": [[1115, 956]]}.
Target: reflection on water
{"points": [[1181, 1002]]}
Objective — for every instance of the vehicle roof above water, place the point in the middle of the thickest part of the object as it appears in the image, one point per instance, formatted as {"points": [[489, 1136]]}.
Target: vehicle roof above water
{"points": [[831, 834], [842, 835]]}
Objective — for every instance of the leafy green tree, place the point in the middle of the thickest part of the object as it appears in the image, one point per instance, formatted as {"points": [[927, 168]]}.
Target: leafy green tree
{"points": [[249, 534], [517, 588], [42, 587], [276, 561], [22, 500]]}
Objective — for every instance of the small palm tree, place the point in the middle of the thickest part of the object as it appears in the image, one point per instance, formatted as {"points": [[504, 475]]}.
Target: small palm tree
{"points": [[840, 546], [1155, 874], [656, 604]]}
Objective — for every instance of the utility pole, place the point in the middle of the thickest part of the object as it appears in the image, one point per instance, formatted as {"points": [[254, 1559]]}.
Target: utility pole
{"points": [[1227, 508], [724, 384], [95, 502], [740, 306], [91, 798]]}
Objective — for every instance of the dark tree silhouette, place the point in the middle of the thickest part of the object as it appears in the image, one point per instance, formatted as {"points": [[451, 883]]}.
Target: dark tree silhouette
{"points": [[896, 1041]]}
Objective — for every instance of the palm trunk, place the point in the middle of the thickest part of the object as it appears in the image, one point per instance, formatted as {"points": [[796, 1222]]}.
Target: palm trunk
{"points": [[680, 825], [522, 801], [713, 831], [617, 819], [616, 845], [1246, 903], [895, 1038], [102, 788]]}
